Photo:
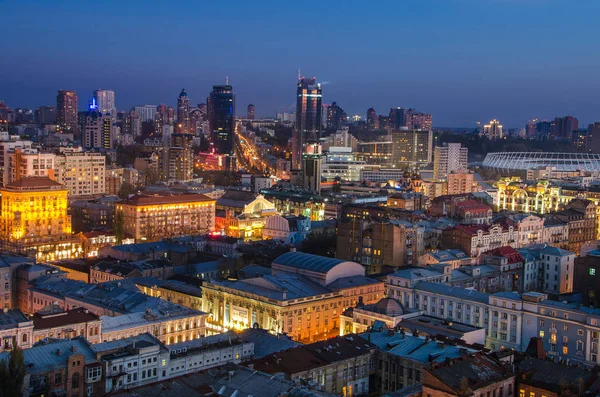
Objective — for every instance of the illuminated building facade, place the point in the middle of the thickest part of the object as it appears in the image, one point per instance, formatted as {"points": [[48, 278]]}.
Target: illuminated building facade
{"points": [[411, 148], [82, 173], [34, 218], [243, 214], [309, 115], [221, 113], [375, 153], [493, 130], [183, 118], [303, 296], [157, 217], [98, 132]]}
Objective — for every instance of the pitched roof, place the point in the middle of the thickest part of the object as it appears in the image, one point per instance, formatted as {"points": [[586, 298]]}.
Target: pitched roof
{"points": [[35, 182]]}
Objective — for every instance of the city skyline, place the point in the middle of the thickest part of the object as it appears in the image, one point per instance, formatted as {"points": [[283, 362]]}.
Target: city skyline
{"points": [[461, 69]]}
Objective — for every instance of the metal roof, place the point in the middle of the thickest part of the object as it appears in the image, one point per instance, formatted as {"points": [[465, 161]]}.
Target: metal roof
{"points": [[301, 260], [532, 160]]}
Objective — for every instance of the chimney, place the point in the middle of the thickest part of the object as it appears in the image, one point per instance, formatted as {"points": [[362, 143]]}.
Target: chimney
{"points": [[415, 332]]}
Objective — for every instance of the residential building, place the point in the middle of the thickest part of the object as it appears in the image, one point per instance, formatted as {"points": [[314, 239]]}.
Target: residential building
{"points": [[105, 102], [586, 278], [401, 357], [476, 239], [99, 131], [146, 113], [472, 212], [463, 375], [66, 111], [411, 149], [67, 324], [82, 173], [69, 367], [453, 257], [15, 330], [461, 182], [448, 158], [109, 270], [152, 217], [341, 365]]}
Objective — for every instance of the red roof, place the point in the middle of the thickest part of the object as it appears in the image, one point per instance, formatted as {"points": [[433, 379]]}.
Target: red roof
{"points": [[508, 252]]}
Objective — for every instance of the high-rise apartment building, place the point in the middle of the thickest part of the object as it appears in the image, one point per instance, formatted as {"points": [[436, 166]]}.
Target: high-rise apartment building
{"points": [[183, 117], [82, 173], [221, 113], [105, 102], [99, 131], [460, 181], [593, 138], [66, 111], [9, 144], [409, 118], [493, 130], [372, 119], [563, 127], [336, 117], [309, 112], [251, 112], [46, 115], [411, 148], [147, 113], [448, 158], [181, 157]]}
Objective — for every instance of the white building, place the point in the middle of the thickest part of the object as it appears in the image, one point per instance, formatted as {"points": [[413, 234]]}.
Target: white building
{"points": [[82, 173], [105, 102], [452, 157], [146, 113]]}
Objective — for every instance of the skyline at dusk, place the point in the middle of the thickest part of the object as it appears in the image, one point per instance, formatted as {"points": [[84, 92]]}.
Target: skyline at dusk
{"points": [[462, 61]]}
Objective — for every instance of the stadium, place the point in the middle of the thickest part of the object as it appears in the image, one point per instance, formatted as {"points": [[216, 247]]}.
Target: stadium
{"points": [[519, 162]]}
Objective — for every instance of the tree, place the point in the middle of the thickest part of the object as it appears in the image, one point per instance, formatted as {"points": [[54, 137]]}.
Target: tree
{"points": [[119, 226], [12, 373]]}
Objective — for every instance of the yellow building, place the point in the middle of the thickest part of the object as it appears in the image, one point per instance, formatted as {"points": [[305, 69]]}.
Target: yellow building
{"points": [[34, 218], [155, 217], [517, 195], [243, 214]]}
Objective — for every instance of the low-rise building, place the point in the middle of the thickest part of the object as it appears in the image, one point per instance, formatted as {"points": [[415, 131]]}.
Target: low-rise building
{"points": [[476, 239], [15, 330], [171, 290], [387, 312], [463, 375], [341, 365], [66, 324], [111, 270], [453, 257]]}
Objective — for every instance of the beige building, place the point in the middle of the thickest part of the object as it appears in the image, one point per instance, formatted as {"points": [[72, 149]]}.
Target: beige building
{"points": [[461, 182], [388, 312], [151, 218], [303, 297], [449, 158], [15, 327], [82, 173], [169, 327]]}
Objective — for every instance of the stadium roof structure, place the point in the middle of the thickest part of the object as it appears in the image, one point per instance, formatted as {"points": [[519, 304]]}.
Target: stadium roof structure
{"points": [[530, 160]]}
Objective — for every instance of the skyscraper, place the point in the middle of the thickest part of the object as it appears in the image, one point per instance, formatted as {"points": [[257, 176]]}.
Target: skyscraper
{"points": [[251, 112], [105, 100], [493, 130], [311, 167], [336, 117], [66, 111], [308, 118], [221, 112], [452, 157], [183, 117]]}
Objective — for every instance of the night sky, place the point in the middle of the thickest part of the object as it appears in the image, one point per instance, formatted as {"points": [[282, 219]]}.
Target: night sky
{"points": [[461, 60]]}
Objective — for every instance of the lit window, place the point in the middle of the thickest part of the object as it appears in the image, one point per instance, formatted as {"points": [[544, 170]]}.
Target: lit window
{"points": [[592, 271]]}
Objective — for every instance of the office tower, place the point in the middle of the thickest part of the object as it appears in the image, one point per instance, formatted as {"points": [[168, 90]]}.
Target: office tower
{"points": [[221, 112], [411, 149], [336, 117], [563, 127], [309, 112], [98, 132], [493, 130], [311, 167], [66, 111], [181, 157], [452, 157], [251, 112], [397, 118], [147, 113], [105, 101], [183, 108], [372, 119], [46, 115]]}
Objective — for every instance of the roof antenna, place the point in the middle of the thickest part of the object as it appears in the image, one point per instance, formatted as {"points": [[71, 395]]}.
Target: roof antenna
{"points": [[226, 80], [298, 74]]}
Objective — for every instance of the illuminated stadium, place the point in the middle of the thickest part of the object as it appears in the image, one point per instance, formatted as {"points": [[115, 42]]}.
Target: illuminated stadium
{"points": [[507, 162]]}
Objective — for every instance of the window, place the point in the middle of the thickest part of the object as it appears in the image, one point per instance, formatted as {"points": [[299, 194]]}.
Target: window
{"points": [[541, 334], [94, 373], [75, 381], [521, 393], [580, 332], [565, 350], [57, 378], [592, 271], [24, 338]]}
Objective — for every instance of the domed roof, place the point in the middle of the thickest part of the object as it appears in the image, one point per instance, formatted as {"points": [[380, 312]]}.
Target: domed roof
{"points": [[389, 307], [183, 93]]}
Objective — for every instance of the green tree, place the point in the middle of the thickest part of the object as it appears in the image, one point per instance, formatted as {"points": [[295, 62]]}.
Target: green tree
{"points": [[119, 226], [12, 373]]}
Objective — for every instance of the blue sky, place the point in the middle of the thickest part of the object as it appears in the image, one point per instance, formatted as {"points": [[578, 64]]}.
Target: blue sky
{"points": [[461, 60]]}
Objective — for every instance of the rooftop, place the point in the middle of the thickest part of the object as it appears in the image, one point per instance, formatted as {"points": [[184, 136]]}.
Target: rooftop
{"points": [[301, 260], [266, 343], [455, 292], [35, 183], [12, 318], [131, 320], [54, 320], [158, 199]]}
